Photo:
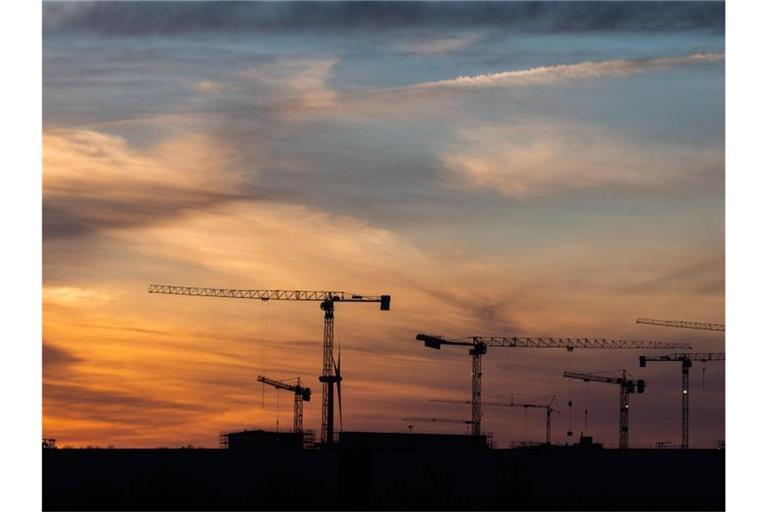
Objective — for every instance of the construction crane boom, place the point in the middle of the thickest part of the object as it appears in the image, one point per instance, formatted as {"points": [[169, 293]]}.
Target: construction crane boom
{"points": [[591, 377], [300, 394], [703, 326], [437, 420], [566, 343], [512, 403], [626, 386], [692, 356], [686, 361], [305, 295], [330, 374], [479, 346]]}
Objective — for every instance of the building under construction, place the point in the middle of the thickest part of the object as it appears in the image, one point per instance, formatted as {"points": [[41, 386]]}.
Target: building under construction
{"points": [[379, 471], [261, 440]]}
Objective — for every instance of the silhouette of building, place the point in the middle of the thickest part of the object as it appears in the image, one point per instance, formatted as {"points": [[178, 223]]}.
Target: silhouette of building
{"points": [[261, 440], [409, 441]]}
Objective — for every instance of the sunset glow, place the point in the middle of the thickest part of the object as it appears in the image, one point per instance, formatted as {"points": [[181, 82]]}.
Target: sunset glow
{"points": [[493, 181]]}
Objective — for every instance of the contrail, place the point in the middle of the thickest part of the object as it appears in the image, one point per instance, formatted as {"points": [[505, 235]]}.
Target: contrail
{"points": [[563, 73]]}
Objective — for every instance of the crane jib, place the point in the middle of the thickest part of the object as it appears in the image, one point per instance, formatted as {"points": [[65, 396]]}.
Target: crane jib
{"points": [[302, 295]]}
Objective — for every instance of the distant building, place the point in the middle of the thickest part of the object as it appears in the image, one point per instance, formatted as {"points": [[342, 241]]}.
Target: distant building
{"points": [[410, 441], [49, 443], [261, 440]]}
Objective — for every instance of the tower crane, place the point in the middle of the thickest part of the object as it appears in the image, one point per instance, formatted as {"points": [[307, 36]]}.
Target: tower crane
{"points": [[327, 299], [686, 361], [300, 394], [420, 419], [479, 346], [626, 387], [524, 405], [703, 326], [437, 420]]}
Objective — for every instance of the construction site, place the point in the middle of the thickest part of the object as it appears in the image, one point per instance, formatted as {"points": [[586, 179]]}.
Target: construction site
{"points": [[257, 468]]}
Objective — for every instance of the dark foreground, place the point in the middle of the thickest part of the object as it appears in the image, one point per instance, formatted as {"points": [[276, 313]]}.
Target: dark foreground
{"points": [[521, 479]]}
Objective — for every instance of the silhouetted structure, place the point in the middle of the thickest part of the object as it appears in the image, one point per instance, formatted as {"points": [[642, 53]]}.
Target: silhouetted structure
{"points": [[261, 440], [479, 347], [686, 361], [384, 477], [703, 326], [327, 299], [409, 441], [525, 405], [300, 395], [626, 385]]}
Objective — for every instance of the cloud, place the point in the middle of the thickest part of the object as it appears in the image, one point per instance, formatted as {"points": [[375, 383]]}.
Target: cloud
{"points": [[207, 86], [301, 81], [561, 73], [317, 99], [93, 181], [57, 359], [160, 369], [178, 18], [437, 45], [525, 159], [703, 278]]}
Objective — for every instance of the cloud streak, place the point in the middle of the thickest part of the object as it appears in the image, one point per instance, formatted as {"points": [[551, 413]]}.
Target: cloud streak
{"points": [[320, 100], [545, 75]]}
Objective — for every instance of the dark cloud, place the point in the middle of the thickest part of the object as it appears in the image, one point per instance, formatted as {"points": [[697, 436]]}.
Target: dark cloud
{"points": [[55, 358], [139, 18], [76, 215], [57, 362]]}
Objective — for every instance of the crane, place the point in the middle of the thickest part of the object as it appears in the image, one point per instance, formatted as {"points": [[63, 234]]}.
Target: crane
{"points": [[327, 299], [703, 326], [437, 420], [300, 394], [512, 403], [421, 419], [479, 347], [626, 386], [686, 361]]}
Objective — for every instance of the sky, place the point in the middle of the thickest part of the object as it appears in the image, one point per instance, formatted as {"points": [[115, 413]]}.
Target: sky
{"points": [[523, 169]]}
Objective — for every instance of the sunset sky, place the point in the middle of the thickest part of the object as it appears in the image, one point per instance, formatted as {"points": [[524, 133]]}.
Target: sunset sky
{"points": [[498, 169]]}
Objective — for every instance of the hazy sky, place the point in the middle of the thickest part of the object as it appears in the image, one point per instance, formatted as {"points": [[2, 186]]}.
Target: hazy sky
{"points": [[499, 169]]}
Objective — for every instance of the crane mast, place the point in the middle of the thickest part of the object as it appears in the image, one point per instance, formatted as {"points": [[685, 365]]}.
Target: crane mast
{"points": [[479, 346], [686, 361], [703, 326], [300, 394], [327, 300], [626, 386]]}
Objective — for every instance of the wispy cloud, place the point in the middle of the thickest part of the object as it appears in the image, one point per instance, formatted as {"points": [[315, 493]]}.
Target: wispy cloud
{"points": [[567, 72], [525, 159], [439, 45], [320, 100], [95, 181]]}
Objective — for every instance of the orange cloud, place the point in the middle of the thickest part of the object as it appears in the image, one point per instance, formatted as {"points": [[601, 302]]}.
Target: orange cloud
{"points": [[95, 181], [131, 369], [524, 159]]}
